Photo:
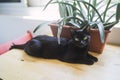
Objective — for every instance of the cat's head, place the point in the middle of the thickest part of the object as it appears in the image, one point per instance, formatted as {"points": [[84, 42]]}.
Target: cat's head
{"points": [[80, 38]]}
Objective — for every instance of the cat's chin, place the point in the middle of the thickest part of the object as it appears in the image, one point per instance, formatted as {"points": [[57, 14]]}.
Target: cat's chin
{"points": [[81, 46]]}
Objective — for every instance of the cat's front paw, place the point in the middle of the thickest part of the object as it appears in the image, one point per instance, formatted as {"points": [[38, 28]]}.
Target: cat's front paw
{"points": [[87, 61], [90, 62], [92, 57], [95, 59]]}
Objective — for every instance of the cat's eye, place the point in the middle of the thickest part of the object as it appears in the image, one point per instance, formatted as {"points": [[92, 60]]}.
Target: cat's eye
{"points": [[76, 39], [85, 38]]}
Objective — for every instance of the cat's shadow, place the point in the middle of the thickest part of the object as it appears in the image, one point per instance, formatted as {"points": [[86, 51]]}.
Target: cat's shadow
{"points": [[54, 63]]}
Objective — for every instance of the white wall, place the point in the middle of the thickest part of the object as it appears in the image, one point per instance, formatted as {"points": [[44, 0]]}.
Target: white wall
{"points": [[13, 27], [114, 36]]}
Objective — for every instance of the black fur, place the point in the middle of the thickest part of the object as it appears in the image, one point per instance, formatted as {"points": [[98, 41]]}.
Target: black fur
{"points": [[74, 50]]}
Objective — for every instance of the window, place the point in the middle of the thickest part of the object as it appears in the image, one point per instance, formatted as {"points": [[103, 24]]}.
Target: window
{"points": [[13, 7], [9, 0], [12, 3]]}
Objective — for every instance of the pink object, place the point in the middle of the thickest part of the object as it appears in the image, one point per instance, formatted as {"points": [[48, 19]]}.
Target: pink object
{"points": [[21, 40]]}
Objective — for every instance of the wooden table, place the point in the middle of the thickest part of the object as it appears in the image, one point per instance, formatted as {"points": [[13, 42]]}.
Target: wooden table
{"points": [[17, 65]]}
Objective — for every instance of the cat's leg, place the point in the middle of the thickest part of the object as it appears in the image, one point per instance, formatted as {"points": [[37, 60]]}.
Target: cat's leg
{"points": [[92, 57], [85, 61], [72, 57], [34, 48], [78, 61]]}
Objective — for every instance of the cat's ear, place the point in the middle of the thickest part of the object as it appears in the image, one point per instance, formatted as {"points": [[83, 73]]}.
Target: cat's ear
{"points": [[86, 29], [73, 32]]}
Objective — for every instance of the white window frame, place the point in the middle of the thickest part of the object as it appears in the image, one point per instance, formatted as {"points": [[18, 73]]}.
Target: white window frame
{"points": [[23, 3], [13, 8], [37, 3]]}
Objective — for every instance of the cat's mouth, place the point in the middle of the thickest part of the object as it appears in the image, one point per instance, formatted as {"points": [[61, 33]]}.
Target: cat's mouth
{"points": [[81, 45]]}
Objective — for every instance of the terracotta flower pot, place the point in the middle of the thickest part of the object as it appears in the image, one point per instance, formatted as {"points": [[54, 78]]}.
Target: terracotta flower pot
{"points": [[95, 43]]}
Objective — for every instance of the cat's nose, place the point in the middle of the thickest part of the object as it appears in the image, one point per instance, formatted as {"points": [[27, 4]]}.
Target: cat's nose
{"points": [[82, 42]]}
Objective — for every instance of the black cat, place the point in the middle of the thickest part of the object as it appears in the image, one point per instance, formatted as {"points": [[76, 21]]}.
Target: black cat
{"points": [[74, 50]]}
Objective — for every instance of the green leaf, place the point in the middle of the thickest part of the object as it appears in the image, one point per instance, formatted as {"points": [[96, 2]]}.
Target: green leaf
{"points": [[74, 24], [106, 9], [69, 10], [82, 11], [100, 2], [40, 25], [49, 2], [94, 9], [109, 18], [72, 6], [60, 25], [108, 26], [118, 12], [62, 11], [101, 32]]}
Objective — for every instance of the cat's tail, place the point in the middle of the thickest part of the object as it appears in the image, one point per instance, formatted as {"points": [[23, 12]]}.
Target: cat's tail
{"points": [[14, 46]]}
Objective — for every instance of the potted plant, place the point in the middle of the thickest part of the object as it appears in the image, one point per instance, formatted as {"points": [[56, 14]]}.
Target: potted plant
{"points": [[82, 13]]}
